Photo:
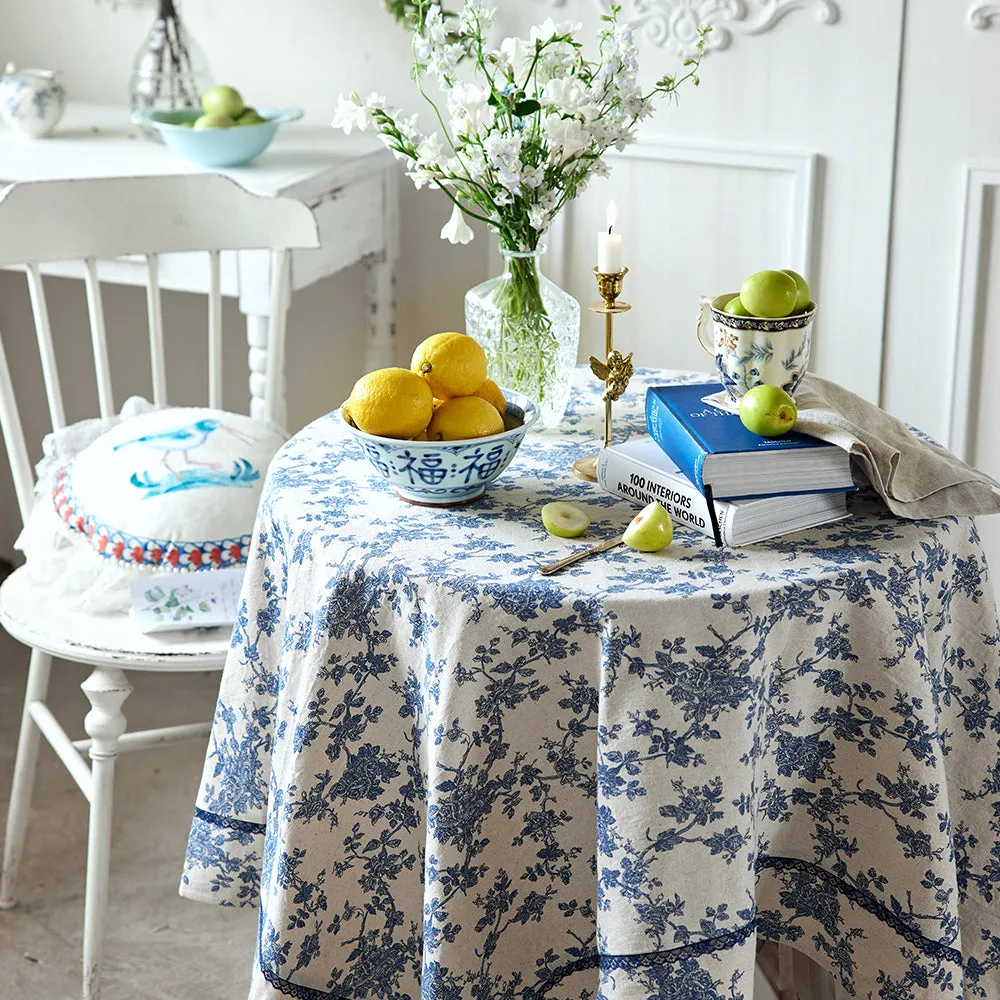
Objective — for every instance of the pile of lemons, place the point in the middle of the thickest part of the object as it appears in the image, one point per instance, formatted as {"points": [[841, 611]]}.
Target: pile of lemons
{"points": [[443, 396]]}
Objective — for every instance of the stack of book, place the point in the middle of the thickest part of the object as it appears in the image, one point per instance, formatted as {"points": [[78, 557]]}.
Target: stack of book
{"points": [[715, 476]]}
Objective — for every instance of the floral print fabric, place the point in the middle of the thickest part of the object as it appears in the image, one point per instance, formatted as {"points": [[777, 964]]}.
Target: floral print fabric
{"points": [[441, 775]]}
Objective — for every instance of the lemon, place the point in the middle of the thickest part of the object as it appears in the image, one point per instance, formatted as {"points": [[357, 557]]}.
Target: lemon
{"points": [[464, 417], [452, 363], [490, 391], [390, 402]]}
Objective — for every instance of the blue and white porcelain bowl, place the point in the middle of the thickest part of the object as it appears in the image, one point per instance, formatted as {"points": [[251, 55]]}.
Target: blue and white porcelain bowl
{"points": [[32, 101], [447, 473]]}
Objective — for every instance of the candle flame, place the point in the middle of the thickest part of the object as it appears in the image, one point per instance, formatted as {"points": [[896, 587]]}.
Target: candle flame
{"points": [[612, 215]]}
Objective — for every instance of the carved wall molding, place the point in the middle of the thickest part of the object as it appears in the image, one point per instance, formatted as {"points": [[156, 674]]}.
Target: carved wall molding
{"points": [[981, 14], [674, 24]]}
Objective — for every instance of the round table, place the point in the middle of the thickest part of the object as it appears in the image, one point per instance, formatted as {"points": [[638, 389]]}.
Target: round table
{"points": [[441, 774]]}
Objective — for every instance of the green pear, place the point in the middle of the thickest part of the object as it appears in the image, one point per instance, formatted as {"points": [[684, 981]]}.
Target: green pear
{"points": [[567, 520], [768, 410], [803, 296], [650, 530]]}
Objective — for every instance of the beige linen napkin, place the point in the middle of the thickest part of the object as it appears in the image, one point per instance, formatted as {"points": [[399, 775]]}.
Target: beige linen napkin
{"points": [[916, 479]]}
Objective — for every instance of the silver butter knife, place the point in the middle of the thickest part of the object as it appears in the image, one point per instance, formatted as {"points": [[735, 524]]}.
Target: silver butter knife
{"points": [[577, 556]]}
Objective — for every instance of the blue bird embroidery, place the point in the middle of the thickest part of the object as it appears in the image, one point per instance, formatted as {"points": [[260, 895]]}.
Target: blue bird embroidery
{"points": [[184, 439]]}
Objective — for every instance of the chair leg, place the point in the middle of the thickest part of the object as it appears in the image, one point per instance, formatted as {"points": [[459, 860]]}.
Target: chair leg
{"points": [[24, 778], [106, 689]]}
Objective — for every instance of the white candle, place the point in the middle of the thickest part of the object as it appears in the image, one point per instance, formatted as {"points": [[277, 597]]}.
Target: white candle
{"points": [[609, 246]]}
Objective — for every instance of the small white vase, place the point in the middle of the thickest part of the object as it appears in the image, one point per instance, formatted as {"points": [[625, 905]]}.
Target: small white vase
{"points": [[32, 101]]}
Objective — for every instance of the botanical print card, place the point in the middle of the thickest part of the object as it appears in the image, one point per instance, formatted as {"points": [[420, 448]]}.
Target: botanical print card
{"points": [[174, 601]]}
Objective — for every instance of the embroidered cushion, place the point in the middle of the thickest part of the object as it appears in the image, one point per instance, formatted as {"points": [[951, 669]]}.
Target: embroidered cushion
{"points": [[169, 488]]}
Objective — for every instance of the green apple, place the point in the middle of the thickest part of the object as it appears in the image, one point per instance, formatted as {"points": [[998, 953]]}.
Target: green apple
{"points": [[803, 296], [222, 100], [650, 530], [735, 307], [769, 294], [768, 410], [213, 121], [567, 520], [250, 116]]}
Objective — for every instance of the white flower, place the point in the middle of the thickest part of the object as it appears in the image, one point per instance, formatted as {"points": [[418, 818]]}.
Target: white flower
{"points": [[434, 29], [566, 94], [566, 136], [548, 29], [475, 16], [532, 177], [538, 218], [444, 61], [517, 55], [503, 154], [456, 230], [423, 174], [471, 112], [431, 150], [352, 112], [472, 164]]}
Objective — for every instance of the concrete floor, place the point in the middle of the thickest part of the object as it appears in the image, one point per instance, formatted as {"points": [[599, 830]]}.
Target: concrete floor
{"points": [[158, 946]]}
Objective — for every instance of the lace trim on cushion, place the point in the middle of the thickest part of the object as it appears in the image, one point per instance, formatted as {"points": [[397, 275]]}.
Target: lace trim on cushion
{"points": [[134, 550]]}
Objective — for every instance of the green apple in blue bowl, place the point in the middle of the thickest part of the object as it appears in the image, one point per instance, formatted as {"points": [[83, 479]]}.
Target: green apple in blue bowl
{"points": [[222, 100], [218, 141]]}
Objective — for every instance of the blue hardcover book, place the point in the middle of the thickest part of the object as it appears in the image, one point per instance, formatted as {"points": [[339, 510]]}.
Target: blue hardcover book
{"points": [[712, 447]]}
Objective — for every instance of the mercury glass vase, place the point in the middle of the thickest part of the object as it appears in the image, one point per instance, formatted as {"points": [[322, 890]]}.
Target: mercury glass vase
{"points": [[169, 71], [530, 330]]}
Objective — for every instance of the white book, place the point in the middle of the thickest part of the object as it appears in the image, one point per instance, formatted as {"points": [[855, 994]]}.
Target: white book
{"points": [[640, 471], [172, 601]]}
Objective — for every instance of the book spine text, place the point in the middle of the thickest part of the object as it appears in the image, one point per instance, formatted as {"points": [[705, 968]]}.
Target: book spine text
{"points": [[675, 440], [636, 481]]}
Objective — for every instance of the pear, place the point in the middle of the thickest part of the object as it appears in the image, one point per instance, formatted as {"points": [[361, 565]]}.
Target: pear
{"points": [[650, 530], [567, 520]]}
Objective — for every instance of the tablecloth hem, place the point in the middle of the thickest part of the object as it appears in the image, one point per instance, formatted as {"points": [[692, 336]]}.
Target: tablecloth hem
{"points": [[215, 898]]}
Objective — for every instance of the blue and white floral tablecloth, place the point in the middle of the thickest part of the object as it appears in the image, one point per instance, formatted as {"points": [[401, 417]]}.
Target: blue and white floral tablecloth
{"points": [[442, 775]]}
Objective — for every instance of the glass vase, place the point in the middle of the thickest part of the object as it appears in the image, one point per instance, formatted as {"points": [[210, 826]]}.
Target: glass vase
{"points": [[530, 330], [170, 70]]}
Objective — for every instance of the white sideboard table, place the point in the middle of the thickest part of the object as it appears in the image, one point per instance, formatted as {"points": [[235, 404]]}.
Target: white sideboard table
{"points": [[350, 183]]}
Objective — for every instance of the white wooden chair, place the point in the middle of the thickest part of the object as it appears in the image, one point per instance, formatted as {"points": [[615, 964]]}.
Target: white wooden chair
{"points": [[88, 220]]}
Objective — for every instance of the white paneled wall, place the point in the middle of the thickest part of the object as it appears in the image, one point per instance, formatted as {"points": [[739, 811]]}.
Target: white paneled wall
{"points": [[763, 201], [783, 157], [942, 359]]}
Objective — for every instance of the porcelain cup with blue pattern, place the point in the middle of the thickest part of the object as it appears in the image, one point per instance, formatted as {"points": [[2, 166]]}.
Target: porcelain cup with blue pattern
{"points": [[751, 350], [32, 101]]}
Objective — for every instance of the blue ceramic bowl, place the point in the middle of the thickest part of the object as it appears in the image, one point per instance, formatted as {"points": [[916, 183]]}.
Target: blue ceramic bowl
{"points": [[447, 473], [216, 147]]}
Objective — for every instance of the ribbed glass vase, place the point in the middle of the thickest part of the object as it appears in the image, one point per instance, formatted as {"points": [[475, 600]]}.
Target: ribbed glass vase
{"points": [[530, 330], [170, 70]]}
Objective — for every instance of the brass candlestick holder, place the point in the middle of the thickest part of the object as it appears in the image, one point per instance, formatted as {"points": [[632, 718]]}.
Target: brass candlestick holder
{"points": [[616, 370]]}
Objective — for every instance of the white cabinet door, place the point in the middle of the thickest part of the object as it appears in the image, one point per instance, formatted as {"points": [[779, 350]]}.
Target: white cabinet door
{"points": [[783, 157], [943, 322]]}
